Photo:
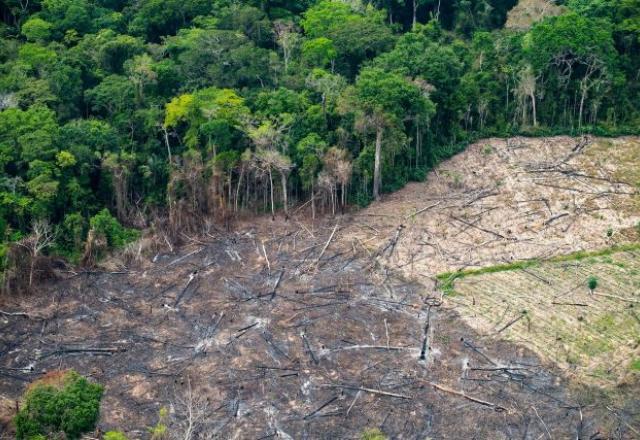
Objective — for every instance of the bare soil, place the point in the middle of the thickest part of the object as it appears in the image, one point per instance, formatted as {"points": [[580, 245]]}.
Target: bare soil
{"points": [[508, 200], [285, 330]]}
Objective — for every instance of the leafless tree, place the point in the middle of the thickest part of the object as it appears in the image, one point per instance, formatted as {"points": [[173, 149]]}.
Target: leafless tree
{"points": [[190, 411], [287, 38], [339, 168], [42, 236]]}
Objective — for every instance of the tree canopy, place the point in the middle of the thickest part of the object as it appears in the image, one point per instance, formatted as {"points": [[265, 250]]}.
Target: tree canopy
{"points": [[121, 114]]}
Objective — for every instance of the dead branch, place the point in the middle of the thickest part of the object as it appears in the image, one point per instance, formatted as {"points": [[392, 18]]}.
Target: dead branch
{"points": [[555, 217], [374, 347], [324, 249], [570, 304], [320, 408], [417, 213], [23, 314], [488, 231], [192, 277], [604, 295], [510, 323], [495, 406], [369, 390], [264, 251]]}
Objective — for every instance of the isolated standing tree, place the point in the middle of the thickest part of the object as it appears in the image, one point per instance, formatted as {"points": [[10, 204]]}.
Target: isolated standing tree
{"points": [[268, 137], [288, 40], [526, 90]]}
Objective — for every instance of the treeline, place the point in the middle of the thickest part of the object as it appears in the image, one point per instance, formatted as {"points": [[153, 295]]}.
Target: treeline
{"points": [[116, 114]]}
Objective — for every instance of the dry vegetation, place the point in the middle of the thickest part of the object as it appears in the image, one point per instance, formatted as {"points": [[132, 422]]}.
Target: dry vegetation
{"points": [[593, 336], [528, 12]]}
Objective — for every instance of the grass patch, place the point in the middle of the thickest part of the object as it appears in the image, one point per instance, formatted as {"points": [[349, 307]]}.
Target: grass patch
{"points": [[635, 365], [446, 280]]}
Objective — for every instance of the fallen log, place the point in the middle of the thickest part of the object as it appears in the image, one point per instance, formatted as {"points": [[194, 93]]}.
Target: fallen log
{"points": [[23, 314], [320, 408], [324, 249], [444, 389], [369, 390], [375, 347]]}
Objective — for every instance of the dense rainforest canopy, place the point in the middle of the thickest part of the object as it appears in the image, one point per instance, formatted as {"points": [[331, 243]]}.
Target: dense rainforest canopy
{"points": [[118, 114]]}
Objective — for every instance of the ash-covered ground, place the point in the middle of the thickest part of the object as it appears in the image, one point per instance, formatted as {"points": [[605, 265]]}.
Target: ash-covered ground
{"points": [[286, 333]]}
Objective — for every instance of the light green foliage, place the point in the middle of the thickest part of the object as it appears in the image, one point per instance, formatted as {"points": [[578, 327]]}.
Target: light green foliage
{"points": [[319, 52], [60, 403], [373, 434], [36, 29], [160, 431], [114, 435]]}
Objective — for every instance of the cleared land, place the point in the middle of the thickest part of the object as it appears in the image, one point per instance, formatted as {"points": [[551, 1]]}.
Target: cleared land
{"points": [[508, 201], [285, 332], [593, 335], [294, 330]]}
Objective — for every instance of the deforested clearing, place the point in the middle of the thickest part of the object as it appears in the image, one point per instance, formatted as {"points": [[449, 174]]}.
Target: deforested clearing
{"points": [[512, 230], [434, 303]]}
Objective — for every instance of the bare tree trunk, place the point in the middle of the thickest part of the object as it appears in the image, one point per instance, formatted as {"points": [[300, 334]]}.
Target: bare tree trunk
{"points": [[417, 142], [377, 178], [283, 177], [273, 209], [229, 184], [583, 97], [313, 202], [235, 208], [533, 108], [415, 13], [166, 141], [333, 200]]}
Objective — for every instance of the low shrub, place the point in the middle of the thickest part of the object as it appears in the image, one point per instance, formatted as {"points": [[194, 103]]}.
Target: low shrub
{"points": [[107, 226], [61, 403], [373, 434]]}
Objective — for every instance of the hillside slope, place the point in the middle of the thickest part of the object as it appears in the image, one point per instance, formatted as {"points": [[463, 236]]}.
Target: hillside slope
{"points": [[505, 202]]}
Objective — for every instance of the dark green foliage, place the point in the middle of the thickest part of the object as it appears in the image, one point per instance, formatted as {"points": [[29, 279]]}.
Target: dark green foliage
{"points": [[60, 403], [116, 111], [592, 282], [107, 226]]}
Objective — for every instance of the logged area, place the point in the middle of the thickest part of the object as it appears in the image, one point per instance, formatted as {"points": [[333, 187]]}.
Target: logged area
{"points": [[283, 335], [489, 216], [211, 225], [294, 330]]}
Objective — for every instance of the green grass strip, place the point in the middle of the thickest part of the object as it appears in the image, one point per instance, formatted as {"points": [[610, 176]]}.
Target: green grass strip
{"points": [[447, 279]]}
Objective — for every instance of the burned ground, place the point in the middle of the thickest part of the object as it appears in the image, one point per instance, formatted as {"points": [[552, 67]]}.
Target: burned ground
{"points": [[287, 335], [285, 330]]}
